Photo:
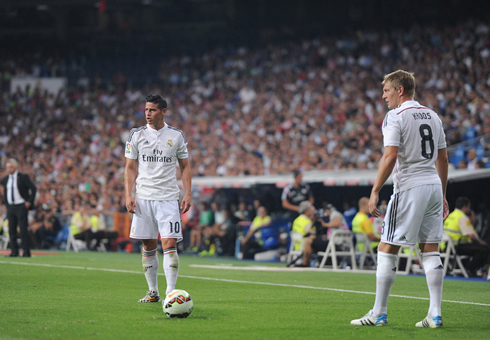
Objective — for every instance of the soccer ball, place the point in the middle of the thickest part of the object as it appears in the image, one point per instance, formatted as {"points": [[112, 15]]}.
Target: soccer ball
{"points": [[178, 304]]}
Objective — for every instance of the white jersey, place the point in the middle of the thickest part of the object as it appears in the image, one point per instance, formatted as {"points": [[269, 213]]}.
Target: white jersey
{"points": [[418, 133], [157, 152]]}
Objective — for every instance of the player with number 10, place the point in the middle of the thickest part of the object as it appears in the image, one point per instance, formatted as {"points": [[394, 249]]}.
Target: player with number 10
{"points": [[415, 152], [152, 153]]}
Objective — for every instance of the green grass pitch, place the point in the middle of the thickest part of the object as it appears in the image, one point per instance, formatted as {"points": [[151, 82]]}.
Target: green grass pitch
{"points": [[91, 295]]}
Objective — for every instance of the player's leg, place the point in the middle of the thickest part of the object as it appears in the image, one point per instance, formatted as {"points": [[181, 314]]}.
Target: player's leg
{"points": [[150, 265], [307, 251], [430, 235], [171, 262], [400, 227], [145, 229], [434, 273], [167, 215], [385, 277]]}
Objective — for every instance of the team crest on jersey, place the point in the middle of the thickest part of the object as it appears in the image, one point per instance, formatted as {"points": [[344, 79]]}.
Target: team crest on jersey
{"points": [[170, 143], [128, 147]]}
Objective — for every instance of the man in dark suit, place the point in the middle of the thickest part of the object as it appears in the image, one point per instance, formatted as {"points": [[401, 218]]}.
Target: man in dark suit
{"points": [[18, 195]]}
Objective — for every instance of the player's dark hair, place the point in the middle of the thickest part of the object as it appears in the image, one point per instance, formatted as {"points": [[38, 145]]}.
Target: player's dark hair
{"points": [[462, 202], [157, 99]]}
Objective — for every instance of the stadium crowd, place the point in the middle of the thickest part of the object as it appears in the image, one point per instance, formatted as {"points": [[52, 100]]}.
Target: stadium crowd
{"points": [[313, 104]]}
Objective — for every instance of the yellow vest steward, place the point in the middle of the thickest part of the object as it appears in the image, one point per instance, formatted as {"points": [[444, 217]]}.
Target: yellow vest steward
{"points": [[451, 226], [76, 220], [361, 224], [299, 226], [300, 223]]}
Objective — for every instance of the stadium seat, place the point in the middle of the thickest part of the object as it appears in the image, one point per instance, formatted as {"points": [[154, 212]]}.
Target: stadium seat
{"points": [[345, 239], [448, 254], [362, 239], [458, 154]]}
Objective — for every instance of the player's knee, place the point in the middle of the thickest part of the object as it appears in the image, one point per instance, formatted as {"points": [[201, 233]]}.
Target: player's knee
{"points": [[149, 244], [169, 243]]}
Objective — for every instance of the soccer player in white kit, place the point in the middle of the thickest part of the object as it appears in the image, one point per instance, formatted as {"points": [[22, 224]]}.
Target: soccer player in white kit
{"points": [[415, 152], [152, 153]]}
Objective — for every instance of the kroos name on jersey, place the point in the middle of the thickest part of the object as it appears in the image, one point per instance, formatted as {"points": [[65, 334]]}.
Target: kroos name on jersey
{"points": [[421, 115]]}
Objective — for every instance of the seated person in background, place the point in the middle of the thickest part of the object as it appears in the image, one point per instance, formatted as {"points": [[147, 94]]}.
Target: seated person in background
{"points": [[319, 242], [81, 224], [206, 219], [363, 225], [99, 231], [209, 231], [50, 228], [242, 214], [303, 224], [222, 236], [35, 226], [460, 228], [349, 213], [252, 242]]}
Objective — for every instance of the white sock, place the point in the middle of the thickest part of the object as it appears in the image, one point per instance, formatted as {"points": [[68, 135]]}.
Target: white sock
{"points": [[434, 272], [171, 267], [385, 276], [150, 265]]}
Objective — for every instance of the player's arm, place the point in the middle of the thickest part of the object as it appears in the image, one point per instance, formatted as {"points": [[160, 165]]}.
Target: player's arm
{"points": [[442, 165], [185, 170], [386, 166], [130, 172], [289, 206]]}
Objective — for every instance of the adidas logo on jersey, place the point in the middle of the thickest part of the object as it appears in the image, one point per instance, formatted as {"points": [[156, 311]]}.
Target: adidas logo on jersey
{"points": [[403, 238], [146, 142]]}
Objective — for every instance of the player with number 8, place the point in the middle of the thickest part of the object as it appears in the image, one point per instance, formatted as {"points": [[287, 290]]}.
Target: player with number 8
{"points": [[415, 153]]}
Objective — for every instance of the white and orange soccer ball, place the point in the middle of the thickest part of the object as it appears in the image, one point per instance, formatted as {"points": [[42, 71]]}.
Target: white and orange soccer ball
{"points": [[178, 304]]}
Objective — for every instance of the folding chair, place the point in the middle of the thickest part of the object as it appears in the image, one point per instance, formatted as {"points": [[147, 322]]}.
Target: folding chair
{"points": [[411, 253], [344, 238], [297, 241], [362, 239], [449, 255]]}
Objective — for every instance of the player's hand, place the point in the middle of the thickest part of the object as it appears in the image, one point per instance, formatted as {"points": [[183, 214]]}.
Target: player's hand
{"points": [[185, 205], [373, 203], [130, 204], [445, 211]]}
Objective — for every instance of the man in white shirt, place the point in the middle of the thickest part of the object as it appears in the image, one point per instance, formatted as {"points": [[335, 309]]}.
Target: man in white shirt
{"points": [[152, 153], [415, 152]]}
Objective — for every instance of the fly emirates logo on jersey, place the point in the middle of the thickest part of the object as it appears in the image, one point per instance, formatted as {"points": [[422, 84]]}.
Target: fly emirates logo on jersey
{"points": [[157, 157]]}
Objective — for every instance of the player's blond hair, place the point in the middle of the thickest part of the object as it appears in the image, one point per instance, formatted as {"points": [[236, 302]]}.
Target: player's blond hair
{"points": [[401, 78]]}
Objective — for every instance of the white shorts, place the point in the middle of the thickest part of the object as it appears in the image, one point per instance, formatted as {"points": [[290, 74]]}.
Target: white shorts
{"points": [[414, 216], [153, 217]]}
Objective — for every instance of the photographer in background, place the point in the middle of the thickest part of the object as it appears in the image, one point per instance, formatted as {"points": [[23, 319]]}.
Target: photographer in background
{"points": [[319, 241]]}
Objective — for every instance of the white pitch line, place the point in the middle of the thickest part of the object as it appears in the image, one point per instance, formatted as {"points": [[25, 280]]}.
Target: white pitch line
{"points": [[239, 281]]}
